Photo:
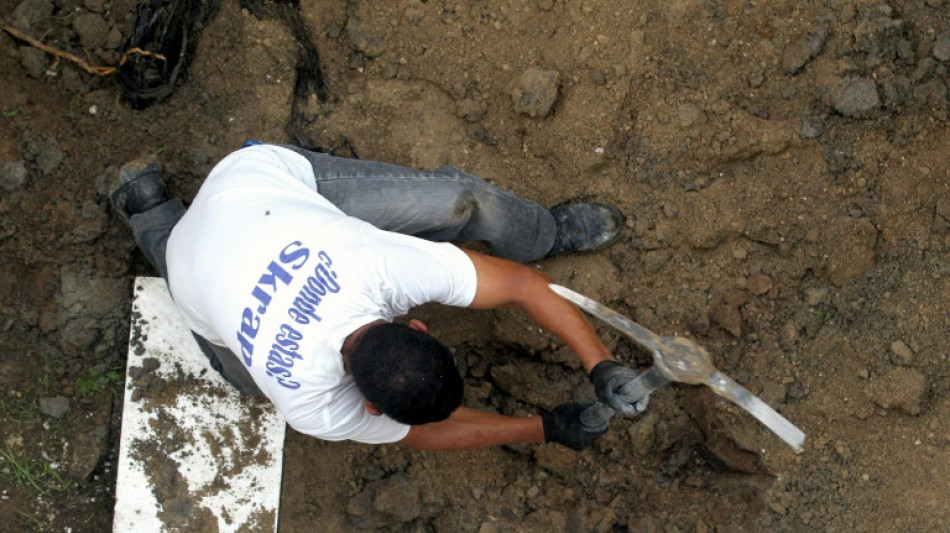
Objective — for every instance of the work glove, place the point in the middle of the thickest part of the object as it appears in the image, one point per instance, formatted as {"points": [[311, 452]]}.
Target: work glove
{"points": [[608, 378], [563, 426]]}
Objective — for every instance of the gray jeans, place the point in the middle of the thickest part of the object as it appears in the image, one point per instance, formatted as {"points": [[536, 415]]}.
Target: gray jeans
{"points": [[438, 205]]}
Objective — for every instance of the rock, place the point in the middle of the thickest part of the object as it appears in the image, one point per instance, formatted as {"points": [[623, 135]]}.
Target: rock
{"points": [[901, 354], [802, 50], [55, 407], [903, 389], [30, 12], [535, 91], [942, 46], [93, 30], [33, 61], [855, 97], [812, 127], [758, 283], [12, 175], [88, 448], [727, 440]]}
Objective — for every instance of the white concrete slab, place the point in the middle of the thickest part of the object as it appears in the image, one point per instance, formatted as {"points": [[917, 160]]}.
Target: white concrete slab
{"points": [[194, 455]]}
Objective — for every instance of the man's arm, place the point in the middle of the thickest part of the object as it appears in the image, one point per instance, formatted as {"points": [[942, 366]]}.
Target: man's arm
{"points": [[506, 283], [468, 429]]}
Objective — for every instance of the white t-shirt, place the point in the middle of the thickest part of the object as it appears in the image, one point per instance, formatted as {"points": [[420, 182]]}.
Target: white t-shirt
{"points": [[264, 265]]}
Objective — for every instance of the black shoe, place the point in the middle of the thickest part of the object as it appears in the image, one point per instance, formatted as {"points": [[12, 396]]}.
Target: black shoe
{"points": [[138, 187], [585, 227]]}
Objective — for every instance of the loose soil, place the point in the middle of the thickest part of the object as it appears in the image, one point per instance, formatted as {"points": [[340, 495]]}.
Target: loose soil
{"points": [[783, 167]]}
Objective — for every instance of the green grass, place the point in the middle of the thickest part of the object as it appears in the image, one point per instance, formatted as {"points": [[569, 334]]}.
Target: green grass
{"points": [[37, 477]]}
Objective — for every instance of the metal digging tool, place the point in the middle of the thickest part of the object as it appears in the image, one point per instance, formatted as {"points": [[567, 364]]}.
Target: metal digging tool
{"points": [[675, 359]]}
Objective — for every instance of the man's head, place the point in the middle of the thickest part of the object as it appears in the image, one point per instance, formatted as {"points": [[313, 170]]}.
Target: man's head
{"points": [[406, 374]]}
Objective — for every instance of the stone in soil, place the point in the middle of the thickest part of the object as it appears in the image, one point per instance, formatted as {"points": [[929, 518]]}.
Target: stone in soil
{"points": [[535, 91], [855, 97]]}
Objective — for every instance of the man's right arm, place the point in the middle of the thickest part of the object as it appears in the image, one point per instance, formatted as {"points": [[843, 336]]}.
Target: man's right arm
{"points": [[468, 429]]}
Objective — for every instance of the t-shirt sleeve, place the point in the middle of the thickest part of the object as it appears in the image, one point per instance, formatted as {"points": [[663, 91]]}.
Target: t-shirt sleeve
{"points": [[344, 417], [417, 271]]}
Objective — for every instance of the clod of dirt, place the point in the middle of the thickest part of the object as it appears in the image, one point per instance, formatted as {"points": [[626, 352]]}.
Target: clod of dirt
{"points": [[851, 248], [855, 97], [535, 91], [758, 284], [904, 389], [386, 502], [30, 13], [93, 30], [802, 50], [901, 354], [363, 39]]}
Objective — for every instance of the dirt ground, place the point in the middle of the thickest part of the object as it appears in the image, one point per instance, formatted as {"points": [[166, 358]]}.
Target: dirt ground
{"points": [[784, 168]]}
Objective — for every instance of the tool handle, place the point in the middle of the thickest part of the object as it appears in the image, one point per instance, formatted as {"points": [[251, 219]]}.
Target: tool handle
{"points": [[597, 416]]}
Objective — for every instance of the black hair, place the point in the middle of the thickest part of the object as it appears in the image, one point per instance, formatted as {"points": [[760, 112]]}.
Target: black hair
{"points": [[406, 374]]}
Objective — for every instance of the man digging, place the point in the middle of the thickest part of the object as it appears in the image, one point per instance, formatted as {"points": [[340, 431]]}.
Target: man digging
{"points": [[290, 265]]}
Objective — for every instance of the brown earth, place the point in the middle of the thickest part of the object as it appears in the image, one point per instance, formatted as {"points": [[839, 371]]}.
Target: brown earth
{"points": [[783, 167]]}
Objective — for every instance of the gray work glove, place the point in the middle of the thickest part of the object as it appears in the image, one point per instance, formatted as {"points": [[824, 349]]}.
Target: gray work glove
{"points": [[608, 378], [563, 426]]}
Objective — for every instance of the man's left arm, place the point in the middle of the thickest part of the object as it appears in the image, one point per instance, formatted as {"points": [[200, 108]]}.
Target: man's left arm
{"points": [[504, 283]]}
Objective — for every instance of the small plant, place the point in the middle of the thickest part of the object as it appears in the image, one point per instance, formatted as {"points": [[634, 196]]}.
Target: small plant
{"points": [[36, 477], [88, 385]]}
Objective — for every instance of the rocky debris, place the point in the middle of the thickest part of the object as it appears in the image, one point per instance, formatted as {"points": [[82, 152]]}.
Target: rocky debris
{"points": [[534, 92], [802, 50], [386, 502], [855, 97], [30, 13], [903, 389], [942, 46], [55, 407], [46, 153], [12, 175], [901, 354], [851, 244], [364, 40], [878, 33]]}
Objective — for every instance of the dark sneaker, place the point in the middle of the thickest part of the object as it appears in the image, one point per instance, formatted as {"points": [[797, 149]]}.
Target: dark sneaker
{"points": [[585, 227], [138, 187]]}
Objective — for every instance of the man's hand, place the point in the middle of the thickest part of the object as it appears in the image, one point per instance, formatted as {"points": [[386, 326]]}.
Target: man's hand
{"points": [[563, 426], [608, 378]]}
